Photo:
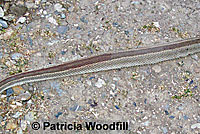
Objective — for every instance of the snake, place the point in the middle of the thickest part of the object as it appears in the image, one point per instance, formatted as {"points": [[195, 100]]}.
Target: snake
{"points": [[107, 61]]}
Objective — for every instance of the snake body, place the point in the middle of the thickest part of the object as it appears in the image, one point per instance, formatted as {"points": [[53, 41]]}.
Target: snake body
{"points": [[107, 61]]}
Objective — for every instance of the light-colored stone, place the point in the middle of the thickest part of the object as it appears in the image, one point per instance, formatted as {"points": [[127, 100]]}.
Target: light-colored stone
{"points": [[31, 5], [58, 7], [23, 124], [52, 20], [3, 23], [89, 82], [197, 125], [9, 17], [29, 117], [100, 83], [195, 57], [21, 20], [16, 115], [16, 56], [18, 90], [156, 24], [24, 96], [18, 104], [11, 126], [146, 123], [1, 12], [156, 68]]}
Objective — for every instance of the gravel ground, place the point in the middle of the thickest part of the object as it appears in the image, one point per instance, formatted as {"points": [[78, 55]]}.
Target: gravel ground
{"points": [[161, 98]]}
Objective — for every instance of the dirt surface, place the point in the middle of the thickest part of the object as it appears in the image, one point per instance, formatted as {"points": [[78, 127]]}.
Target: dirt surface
{"points": [[151, 99]]}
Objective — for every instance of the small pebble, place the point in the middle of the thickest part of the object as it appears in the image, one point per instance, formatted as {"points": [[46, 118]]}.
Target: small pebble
{"points": [[197, 125], [191, 82], [21, 20], [62, 16], [100, 83], [91, 78], [171, 117], [195, 57], [1, 12], [166, 112], [195, 87], [31, 5], [115, 24], [44, 1], [58, 7], [117, 107], [83, 19], [29, 102], [3, 23], [103, 95], [126, 32], [75, 108], [78, 36], [145, 101], [113, 86], [18, 10], [11, 126], [44, 12], [19, 104], [89, 82], [52, 20], [58, 114], [164, 129], [16, 56], [78, 28], [63, 52], [9, 92], [9, 17], [62, 29], [8, 63], [3, 96], [1, 55], [185, 117], [13, 106], [135, 2], [1, 118], [94, 104], [24, 96], [21, 37], [29, 116], [11, 98], [30, 41], [16, 115], [70, 9], [57, 13], [116, 79], [156, 24], [134, 103], [90, 101], [56, 86], [156, 68], [180, 108], [18, 90], [23, 124], [59, 91], [146, 123]]}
